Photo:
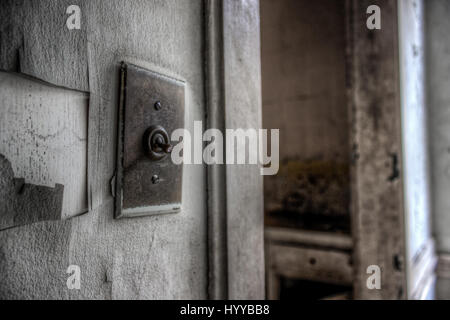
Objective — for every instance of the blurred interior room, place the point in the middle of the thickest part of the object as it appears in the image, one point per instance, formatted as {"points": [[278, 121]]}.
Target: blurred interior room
{"points": [[364, 158]]}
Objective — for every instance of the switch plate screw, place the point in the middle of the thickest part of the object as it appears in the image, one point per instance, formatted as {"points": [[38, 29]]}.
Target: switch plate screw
{"points": [[155, 179]]}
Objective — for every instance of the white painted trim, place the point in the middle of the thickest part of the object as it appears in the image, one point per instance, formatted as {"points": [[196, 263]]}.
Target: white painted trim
{"points": [[422, 272]]}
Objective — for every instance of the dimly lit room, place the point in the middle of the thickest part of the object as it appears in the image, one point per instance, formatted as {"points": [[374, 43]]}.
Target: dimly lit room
{"points": [[273, 151]]}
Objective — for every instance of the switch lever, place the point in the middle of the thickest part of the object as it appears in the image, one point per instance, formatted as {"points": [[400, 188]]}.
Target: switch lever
{"points": [[166, 147], [157, 143]]}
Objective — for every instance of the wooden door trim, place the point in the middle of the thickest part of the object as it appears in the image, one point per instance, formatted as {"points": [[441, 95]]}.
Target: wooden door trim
{"points": [[377, 204], [235, 193], [216, 182]]}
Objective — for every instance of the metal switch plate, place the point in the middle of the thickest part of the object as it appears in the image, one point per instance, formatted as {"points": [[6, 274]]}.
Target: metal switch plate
{"points": [[146, 185]]}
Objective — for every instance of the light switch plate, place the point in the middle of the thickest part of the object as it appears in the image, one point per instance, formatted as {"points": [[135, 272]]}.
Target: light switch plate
{"points": [[144, 186]]}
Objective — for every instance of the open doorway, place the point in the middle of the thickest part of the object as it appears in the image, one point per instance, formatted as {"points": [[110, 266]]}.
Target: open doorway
{"points": [[348, 215], [307, 204]]}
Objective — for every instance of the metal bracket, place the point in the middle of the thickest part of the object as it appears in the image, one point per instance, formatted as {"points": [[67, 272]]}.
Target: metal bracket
{"points": [[151, 107]]}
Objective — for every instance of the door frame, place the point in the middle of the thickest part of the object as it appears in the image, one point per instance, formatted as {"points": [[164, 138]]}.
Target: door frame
{"points": [[235, 192]]}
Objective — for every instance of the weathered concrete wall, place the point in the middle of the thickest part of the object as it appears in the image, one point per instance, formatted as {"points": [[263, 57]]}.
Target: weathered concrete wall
{"points": [[304, 95], [43, 132], [438, 93], [152, 257]]}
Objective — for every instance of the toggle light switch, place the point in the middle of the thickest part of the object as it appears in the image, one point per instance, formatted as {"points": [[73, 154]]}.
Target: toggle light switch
{"points": [[147, 182]]}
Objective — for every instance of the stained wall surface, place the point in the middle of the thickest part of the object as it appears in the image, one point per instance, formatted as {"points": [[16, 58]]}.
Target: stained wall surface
{"points": [[304, 95], [43, 132], [151, 257]]}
